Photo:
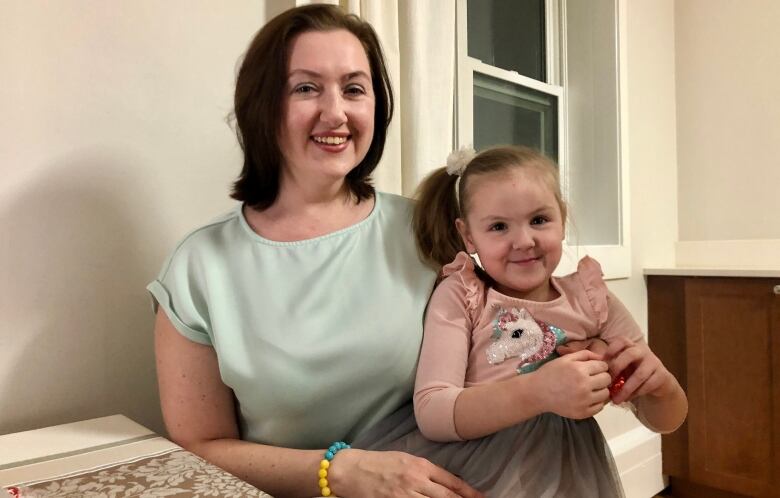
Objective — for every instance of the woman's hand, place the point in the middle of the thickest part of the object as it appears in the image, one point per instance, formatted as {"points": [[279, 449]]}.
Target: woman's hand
{"points": [[575, 385], [389, 474]]}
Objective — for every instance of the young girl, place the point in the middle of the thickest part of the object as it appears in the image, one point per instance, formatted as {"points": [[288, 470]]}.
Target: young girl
{"points": [[494, 402]]}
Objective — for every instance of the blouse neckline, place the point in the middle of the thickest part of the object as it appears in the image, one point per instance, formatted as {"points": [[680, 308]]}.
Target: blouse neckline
{"points": [[340, 232]]}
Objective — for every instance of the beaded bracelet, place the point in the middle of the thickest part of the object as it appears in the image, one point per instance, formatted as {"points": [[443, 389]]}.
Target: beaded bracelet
{"points": [[325, 464]]}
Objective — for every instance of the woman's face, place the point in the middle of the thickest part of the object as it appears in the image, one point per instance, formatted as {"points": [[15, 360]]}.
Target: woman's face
{"points": [[328, 106]]}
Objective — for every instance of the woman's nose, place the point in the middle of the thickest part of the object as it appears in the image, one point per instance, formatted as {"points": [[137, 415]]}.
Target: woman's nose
{"points": [[332, 111]]}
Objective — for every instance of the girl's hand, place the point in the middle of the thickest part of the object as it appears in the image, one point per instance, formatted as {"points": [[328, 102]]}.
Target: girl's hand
{"points": [[390, 474], [575, 385], [594, 344], [649, 375]]}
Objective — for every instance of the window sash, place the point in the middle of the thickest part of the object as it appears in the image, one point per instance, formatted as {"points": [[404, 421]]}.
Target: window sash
{"points": [[615, 259]]}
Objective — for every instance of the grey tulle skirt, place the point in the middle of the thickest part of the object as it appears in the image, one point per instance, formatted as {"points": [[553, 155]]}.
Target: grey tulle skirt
{"points": [[544, 457]]}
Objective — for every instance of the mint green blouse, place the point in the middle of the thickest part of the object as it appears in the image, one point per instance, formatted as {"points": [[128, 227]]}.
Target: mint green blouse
{"points": [[318, 338]]}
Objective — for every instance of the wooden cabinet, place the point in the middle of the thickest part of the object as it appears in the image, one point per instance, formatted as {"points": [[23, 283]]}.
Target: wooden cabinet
{"points": [[721, 337]]}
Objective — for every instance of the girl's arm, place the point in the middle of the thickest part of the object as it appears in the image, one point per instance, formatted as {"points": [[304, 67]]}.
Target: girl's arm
{"points": [[574, 385], [199, 413], [660, 401]]}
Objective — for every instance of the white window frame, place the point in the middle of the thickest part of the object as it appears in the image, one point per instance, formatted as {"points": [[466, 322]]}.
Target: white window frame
{"points": [[615, 259]]}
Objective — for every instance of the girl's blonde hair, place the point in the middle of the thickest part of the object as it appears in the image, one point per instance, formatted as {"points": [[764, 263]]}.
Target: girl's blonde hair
{"points": [[437, 208]]}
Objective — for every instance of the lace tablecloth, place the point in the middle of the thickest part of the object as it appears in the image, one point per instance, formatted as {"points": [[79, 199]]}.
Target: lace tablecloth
{"points": [[123, 464]]}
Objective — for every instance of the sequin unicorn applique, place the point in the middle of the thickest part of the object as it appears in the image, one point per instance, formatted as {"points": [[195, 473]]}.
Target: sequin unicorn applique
{"points": [[517, 334]]}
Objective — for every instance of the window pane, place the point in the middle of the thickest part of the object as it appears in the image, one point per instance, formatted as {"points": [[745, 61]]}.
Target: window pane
{"points": [[508, 34], [594, 147], [507, 113]]}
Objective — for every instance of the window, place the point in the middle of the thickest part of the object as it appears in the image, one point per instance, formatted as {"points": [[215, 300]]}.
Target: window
{"points": [[546, 73]]}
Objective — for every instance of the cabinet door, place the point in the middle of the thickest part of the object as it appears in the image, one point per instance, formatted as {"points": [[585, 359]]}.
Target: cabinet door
{"points": [[732, 384], [666, 336]]}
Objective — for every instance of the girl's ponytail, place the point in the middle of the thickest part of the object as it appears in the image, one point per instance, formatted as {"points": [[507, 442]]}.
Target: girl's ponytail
{"points": [[433, 222]]}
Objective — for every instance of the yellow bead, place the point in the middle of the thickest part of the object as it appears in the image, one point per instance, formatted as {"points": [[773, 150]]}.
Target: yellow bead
{"points": [[324, 464], [325, 491], [323, 483], [322, 473]]}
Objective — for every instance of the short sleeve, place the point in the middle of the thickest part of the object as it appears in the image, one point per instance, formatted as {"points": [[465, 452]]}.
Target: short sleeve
{"points": [[591, 277], [612, 316], [620, 322], [462, 270], [178, 290]]}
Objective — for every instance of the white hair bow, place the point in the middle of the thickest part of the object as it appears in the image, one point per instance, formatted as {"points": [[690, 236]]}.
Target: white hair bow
{"points": [[458, 159]]}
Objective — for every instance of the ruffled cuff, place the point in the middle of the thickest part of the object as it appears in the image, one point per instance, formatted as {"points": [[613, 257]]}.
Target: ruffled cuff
{"points": [[462, 269], [591, 277]]}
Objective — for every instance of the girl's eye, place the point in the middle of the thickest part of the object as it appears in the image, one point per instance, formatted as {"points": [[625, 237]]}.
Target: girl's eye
{"points": [[498, 227], [539, 220]]}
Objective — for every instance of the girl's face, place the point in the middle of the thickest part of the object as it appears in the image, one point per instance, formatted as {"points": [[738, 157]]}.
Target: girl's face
{"points": [[515, 226], [328, 107]]}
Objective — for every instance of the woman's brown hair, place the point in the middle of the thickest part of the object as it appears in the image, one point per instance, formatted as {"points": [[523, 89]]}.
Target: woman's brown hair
{"points": [[438, 206], [258, 101]]}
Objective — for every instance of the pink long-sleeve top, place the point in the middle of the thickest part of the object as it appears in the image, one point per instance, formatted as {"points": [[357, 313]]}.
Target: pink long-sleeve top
{"points": [[461, 320]]}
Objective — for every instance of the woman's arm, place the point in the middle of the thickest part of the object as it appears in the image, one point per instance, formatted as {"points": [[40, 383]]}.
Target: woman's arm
{"points": [[199, 413]]}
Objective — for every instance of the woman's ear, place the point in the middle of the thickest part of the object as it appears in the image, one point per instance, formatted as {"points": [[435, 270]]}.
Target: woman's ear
{"points": [[465, 234]]}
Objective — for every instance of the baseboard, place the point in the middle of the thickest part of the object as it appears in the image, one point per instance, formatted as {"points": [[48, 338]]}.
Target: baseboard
{"points": [[638, 458]]}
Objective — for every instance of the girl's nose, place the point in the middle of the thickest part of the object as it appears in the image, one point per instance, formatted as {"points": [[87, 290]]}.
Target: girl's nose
{"points": [[332, 110], [523, 239]]}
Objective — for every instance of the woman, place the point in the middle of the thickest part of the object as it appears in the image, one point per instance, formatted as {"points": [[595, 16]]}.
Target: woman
{"points": [[295, 320]]}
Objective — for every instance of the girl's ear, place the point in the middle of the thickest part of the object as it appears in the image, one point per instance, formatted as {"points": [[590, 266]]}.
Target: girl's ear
{"points": [[463, 230]]}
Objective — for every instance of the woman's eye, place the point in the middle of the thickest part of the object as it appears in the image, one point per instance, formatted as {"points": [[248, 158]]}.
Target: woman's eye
{"points": [[304, 89], [498, 227], [354, 90], [539, 220]]}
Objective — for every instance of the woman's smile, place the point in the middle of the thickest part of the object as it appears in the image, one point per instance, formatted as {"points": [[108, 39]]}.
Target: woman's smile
{"points": [[331, 142]]}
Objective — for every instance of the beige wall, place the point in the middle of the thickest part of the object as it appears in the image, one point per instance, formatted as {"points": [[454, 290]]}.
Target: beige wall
{"points": [[113, 144], [728, 121]]}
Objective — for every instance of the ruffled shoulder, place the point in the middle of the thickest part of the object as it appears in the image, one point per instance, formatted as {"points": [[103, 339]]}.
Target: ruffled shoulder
{"points": [[461, 271], [591, 278]]}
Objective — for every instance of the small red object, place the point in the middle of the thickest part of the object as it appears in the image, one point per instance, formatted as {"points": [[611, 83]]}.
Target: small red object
{"points": [[616, 385], [620, 381]]}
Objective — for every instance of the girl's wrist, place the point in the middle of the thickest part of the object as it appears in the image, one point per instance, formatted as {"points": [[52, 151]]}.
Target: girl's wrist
{"points": [[669, 388], [530, 396]]}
